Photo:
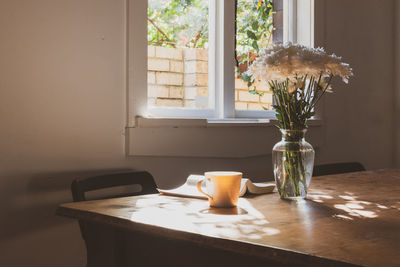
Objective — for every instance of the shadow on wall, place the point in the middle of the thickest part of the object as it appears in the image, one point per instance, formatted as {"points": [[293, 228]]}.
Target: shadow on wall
{"points": [[28, 201]]}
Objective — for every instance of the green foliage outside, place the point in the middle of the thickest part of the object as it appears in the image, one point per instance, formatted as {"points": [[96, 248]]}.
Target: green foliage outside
{"points": [[253, 33], [184, 23], [178, 23]]}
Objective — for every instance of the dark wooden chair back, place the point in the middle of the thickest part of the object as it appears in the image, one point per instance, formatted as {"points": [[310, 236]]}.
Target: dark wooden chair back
{"points": [[337, 168], [80, 187]]}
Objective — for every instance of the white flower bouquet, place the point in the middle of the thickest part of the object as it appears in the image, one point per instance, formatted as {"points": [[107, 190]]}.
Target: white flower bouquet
{"points": [[298, 76]]}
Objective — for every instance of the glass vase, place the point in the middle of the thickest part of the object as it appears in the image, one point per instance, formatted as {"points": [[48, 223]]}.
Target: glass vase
{"points": [[293, 161]]}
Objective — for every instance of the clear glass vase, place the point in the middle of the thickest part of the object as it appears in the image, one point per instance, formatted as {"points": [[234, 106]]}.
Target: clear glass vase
{"points": [[293, 161]]}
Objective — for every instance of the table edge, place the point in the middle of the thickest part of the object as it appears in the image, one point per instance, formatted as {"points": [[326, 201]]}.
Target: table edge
{"points": [[252, 249]]}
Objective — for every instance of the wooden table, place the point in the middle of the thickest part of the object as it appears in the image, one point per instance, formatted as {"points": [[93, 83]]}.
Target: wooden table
{"points": [[348, 220]]}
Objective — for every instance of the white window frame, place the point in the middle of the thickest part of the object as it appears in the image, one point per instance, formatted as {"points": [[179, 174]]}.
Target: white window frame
{"points": [[215, 20], [298, 21], [228, 133], [297, 28]]}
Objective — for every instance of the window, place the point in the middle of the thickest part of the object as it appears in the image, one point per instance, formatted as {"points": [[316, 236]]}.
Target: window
{"points": [[255, 30], [179, 49], [221, 127], [192, 71]]}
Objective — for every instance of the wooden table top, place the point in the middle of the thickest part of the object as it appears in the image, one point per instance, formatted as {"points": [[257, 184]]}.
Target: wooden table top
{"points": [[349, 218]]}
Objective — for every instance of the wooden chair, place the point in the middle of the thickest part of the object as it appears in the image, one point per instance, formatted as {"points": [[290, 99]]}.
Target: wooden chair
{"points": [[336, 168], [90, 230], [80, 187]]}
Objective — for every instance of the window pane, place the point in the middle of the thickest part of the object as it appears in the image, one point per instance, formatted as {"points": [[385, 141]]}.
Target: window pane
{"points": [[178, 53], [254, 31]]}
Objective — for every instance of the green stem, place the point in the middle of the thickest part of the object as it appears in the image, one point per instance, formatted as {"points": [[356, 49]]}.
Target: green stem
{"points": [[294, 170]]}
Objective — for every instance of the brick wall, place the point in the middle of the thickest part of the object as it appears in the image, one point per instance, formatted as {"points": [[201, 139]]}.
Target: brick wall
{"points": [[178, 77], [246, 101]]}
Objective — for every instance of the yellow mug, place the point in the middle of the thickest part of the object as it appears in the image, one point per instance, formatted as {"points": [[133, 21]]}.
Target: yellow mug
{"points": [[222, 188]]}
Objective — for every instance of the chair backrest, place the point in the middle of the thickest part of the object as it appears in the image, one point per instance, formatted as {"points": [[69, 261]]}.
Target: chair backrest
{"points": [[80, 187], [336, 168]]}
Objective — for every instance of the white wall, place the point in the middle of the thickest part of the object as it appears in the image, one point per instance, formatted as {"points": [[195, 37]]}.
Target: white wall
{"points": [[62, 112], [359, 116]]}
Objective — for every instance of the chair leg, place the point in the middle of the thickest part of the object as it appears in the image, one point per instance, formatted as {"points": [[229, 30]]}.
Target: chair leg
{"points": [[100, 244]]}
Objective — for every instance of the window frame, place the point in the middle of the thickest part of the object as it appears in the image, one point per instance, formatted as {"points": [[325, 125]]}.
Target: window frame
{"points": [[222, 16], [199, 137], [217, 61]]}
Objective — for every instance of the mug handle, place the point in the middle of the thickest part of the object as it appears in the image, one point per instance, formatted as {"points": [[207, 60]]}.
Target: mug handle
{"points": [[201, 191]]}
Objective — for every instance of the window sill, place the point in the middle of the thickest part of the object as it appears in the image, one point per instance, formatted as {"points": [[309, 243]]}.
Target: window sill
{"points": [[228, 138], [195, 122]]}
